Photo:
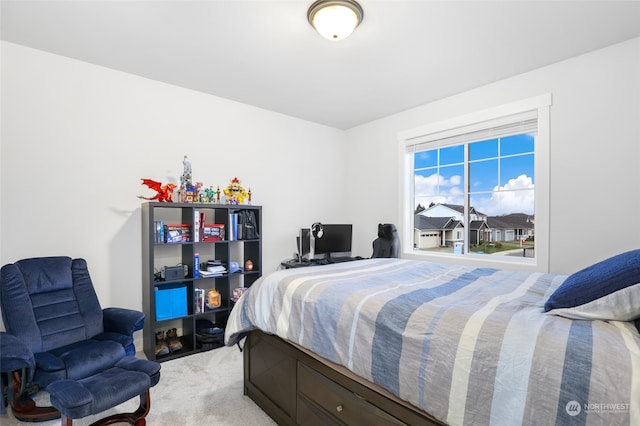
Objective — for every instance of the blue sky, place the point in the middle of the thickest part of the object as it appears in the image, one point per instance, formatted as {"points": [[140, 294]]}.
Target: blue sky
{"points": [[501, 175]]}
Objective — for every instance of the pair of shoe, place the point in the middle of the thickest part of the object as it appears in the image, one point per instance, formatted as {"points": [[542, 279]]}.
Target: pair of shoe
{"points": [[167, 342]]}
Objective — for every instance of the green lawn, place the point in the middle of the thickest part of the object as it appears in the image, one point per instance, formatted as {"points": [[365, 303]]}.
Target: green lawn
{"points": [[491, 248]]}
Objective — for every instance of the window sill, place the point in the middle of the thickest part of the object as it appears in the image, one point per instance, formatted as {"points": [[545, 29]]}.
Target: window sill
{"points": [[477, 260]]}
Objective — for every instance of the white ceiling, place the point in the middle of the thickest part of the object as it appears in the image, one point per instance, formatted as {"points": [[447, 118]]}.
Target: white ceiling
{"points": [[264, 53]]}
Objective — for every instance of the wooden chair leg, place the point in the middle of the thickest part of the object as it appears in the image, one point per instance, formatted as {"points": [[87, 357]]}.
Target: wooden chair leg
{"points": [[23, 407]]}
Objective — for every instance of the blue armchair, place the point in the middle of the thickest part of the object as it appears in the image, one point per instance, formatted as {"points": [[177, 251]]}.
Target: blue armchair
{"points": [[56, 331]]}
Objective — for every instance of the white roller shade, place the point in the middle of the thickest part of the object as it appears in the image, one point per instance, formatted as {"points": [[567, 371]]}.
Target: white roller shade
{"points": [[525, 122]]}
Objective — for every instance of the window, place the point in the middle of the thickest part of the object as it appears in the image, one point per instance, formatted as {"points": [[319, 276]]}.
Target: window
{"points": [[476, 187]]}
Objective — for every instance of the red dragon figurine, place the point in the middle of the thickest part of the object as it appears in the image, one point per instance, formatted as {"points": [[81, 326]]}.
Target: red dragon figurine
{"points": [[165, 193]]}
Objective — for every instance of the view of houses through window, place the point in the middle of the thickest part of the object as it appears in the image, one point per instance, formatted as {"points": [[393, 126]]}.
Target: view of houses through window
{"points": [[476, 196]]}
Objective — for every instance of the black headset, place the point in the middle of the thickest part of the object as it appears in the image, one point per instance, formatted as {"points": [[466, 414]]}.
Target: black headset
{"points": [[316, 230]]}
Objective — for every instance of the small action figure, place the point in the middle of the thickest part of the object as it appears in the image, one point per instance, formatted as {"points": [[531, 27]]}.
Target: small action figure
{"points": [[185, 179], [235, 193], [210, 194], [201, 192], [164, 193], [187, 191]]}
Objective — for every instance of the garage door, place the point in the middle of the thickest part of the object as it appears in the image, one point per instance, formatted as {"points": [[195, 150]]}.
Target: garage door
{"points": [[428, 240]]}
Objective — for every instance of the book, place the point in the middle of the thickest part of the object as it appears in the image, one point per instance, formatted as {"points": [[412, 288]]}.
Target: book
{"points": [[199, 300], [158, 232], [233, 224], [196, 226], [216, 273]]}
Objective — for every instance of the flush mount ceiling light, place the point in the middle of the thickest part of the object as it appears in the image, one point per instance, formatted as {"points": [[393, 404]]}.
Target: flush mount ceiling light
{"points": [[335, 19]]}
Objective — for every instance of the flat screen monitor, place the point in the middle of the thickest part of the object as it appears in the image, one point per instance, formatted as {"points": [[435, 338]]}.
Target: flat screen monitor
{"points": [[303, 241], [336, 239]]}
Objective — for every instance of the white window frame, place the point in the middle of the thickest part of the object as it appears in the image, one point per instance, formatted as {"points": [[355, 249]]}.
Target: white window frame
{"points": [[541, 104]]}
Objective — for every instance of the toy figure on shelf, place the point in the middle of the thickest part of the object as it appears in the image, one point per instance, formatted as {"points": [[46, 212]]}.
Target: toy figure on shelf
{"points": [[201, 192], [185, 179], [187, 191], [234, 192], [210, 194], [189, 194], [164, 192]]}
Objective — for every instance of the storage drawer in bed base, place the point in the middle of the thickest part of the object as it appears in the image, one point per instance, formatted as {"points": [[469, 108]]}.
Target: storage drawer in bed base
{"points": [[295, 388]]}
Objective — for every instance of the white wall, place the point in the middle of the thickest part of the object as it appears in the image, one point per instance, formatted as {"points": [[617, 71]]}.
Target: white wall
{"points": [[77, 139], [594, 144]]}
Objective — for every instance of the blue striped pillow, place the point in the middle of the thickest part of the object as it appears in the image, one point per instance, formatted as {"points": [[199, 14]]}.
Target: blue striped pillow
{"points": [[607, 290]]}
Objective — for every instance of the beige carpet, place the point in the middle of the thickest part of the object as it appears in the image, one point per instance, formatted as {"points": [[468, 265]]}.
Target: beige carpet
{"points": [[201, 389]]}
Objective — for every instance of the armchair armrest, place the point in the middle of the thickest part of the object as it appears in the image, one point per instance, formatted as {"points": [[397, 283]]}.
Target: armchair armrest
{"points": [[121, 320], [14, 354]]}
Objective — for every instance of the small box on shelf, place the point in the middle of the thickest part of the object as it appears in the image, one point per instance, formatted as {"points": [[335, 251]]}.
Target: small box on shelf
{"points": [[213, 232], [177, 233], [171, 301]]}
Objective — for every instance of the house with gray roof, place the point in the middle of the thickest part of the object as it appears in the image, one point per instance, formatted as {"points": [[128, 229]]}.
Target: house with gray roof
{"points": [[431, 232], [511, 227], [442, 225]]}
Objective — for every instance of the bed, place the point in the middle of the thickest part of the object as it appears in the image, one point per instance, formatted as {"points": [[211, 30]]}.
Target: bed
{"points": [[428, 343]]}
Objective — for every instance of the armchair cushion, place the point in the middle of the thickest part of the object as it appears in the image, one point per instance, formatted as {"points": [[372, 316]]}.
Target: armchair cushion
{"points": [[81, 398], [71, 361], [150, 368], [49, 363], [119, 326], [50, 302], [15, 354], [122, 321], [128, 378], [125, 341]]}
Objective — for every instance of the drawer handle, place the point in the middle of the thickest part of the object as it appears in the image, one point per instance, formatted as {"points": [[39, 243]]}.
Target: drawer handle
{"points": [[339, 408]]}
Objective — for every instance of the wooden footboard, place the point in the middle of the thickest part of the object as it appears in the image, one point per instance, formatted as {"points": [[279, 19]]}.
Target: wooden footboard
{"points": [[294, 387]]}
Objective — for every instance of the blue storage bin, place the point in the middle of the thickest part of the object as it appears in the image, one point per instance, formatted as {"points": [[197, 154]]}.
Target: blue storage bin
{"points": [[171, 301]]}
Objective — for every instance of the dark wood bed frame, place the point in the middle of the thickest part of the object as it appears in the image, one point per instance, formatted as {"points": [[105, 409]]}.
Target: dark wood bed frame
{"points": [[293, 387]]}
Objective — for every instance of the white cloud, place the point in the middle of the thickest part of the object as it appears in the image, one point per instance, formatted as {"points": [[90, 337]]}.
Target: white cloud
{"points": [[449, 191], [517, 196]]}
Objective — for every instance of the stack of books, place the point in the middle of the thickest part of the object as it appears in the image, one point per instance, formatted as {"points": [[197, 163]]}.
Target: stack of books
{"points": [[215, 268], [158, 232]]}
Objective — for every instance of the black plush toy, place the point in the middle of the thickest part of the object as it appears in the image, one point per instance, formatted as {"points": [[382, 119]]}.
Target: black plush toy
{"points": [[388, 243]]}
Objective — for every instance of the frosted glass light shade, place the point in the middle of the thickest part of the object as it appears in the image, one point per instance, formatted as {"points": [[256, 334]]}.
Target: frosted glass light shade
{"points": [[335, 19]]}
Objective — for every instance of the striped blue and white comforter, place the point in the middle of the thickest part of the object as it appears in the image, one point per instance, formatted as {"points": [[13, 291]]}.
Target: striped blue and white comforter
{"points": [[468, 345]]}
